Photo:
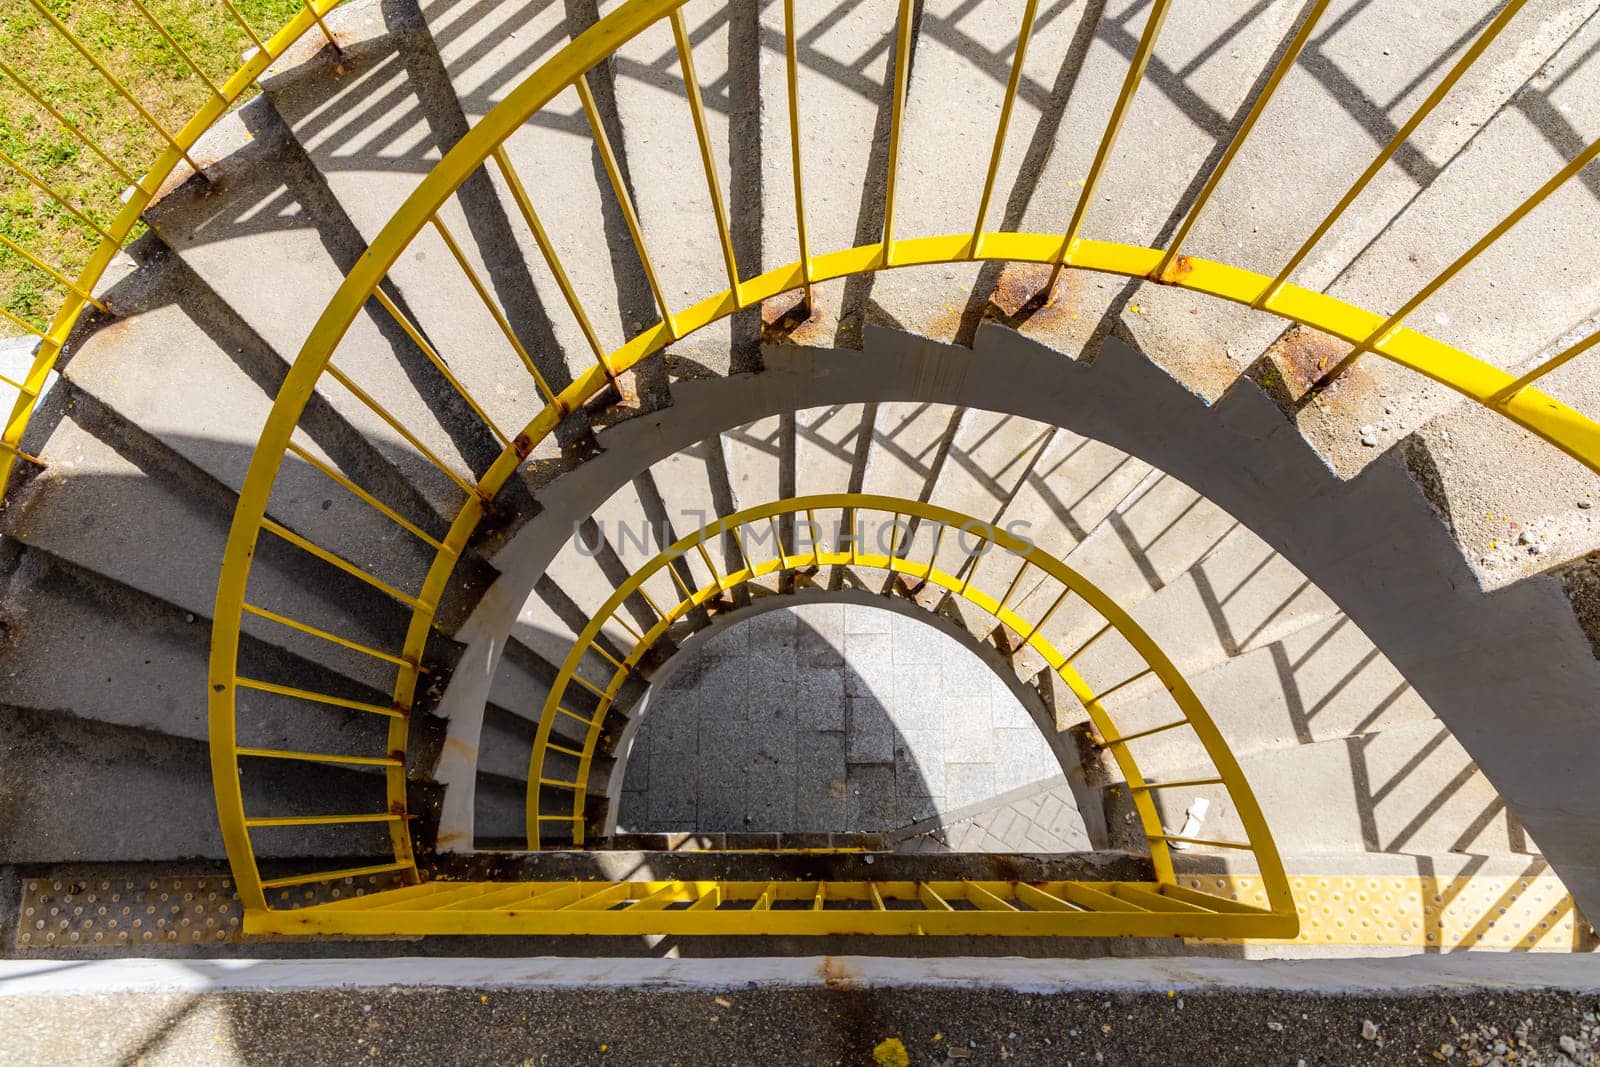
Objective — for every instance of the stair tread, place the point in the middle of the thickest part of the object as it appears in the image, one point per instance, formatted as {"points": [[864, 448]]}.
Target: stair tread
{"points": [[373, 122], [156, 505], [196, 398], [114, 793], [265, 213]]}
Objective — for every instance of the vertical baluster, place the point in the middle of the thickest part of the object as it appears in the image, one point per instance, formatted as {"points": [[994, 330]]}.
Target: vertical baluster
{"points": [[1285, 63], [691, 87], [790, 49], [1108, 139], [1023, 36], [902, 78]]}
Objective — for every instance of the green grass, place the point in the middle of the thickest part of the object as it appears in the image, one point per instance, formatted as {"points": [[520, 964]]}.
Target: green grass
{"points": [[132, 49]]}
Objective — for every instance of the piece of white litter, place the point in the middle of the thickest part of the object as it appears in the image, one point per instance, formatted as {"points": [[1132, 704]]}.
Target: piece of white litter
{"points": [[1193, 818]]}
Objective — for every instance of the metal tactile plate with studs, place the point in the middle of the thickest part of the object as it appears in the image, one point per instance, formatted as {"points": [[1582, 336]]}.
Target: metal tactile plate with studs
{"points": [[127, 912], [112, 910]]}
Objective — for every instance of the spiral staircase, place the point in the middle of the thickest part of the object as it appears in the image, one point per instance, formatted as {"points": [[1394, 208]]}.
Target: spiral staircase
{"points": [[474, 292]]}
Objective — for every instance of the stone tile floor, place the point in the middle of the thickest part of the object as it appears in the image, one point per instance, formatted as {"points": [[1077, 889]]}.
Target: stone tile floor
{"points": [[846, 718]]}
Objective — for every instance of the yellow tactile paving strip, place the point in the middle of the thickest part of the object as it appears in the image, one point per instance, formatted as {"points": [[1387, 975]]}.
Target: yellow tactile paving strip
{"points": [[1526, 913]]}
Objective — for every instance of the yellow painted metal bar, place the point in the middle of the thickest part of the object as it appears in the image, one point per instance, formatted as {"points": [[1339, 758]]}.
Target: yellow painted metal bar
{"points": [[905, 26], [1039, 900], [361, 494], [619, 188], [319, 757], [71, 127], [547, 249], [1380, 335], [639, 908], [438, 362], [319, 820], [400, 428], [332, 876], [60, 278], [1024, 35], [1123, 685], [1181, 783], [311, 547], [793, 80], [1530, 408], [66, 205], [17, 320], [244, 24], [321, 25], [183, 54], [1285, 63], [1209, 901], [1049, 612], [691, 87], [1108, 139], [344, 642], [1152, 898], [1401, 136], [491, 305], [1194, 714], [316, 697], [1561, 359], [122, 90]]}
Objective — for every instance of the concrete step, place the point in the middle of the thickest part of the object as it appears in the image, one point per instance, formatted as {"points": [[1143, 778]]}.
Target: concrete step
{"points": [[1323, 682], [1406, 788], [844, 123], [909, 445], [667, 178], [112, 493], [758, 454], [97, 791], [265, 212], [373, 120], [961, 60], [1241, 596], [485, 52], [1153, 537], [61, 618], [193, 392], [831, 445], [1346, 97], [1500, 140], [989, 458]]}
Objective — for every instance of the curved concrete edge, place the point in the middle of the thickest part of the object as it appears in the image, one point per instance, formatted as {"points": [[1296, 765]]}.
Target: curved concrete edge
{"points": [[1511, 673], [1460, 973]]}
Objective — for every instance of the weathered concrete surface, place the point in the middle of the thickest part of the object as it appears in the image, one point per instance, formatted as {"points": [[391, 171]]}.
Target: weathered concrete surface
{"points": [[822, 1010], [885, 722]]}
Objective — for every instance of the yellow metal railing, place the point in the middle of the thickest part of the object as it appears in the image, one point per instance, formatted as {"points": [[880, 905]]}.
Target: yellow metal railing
{"points": [[1385, 336], [909, 539], [135, 198]]}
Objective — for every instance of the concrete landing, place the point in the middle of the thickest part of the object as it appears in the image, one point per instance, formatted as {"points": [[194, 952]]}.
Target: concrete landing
{"points": [[844, 717]]}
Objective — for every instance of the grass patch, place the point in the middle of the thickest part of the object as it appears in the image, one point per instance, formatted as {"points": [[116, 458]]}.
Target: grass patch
{"points": [[132, 49]]}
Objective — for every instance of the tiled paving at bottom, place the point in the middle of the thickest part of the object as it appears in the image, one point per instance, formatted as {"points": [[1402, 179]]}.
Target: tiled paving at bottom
{"points": [[845, 718]]}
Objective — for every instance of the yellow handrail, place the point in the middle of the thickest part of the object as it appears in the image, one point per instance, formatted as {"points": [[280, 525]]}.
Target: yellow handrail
{"points": [[1516, 399], [899, 512]]}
